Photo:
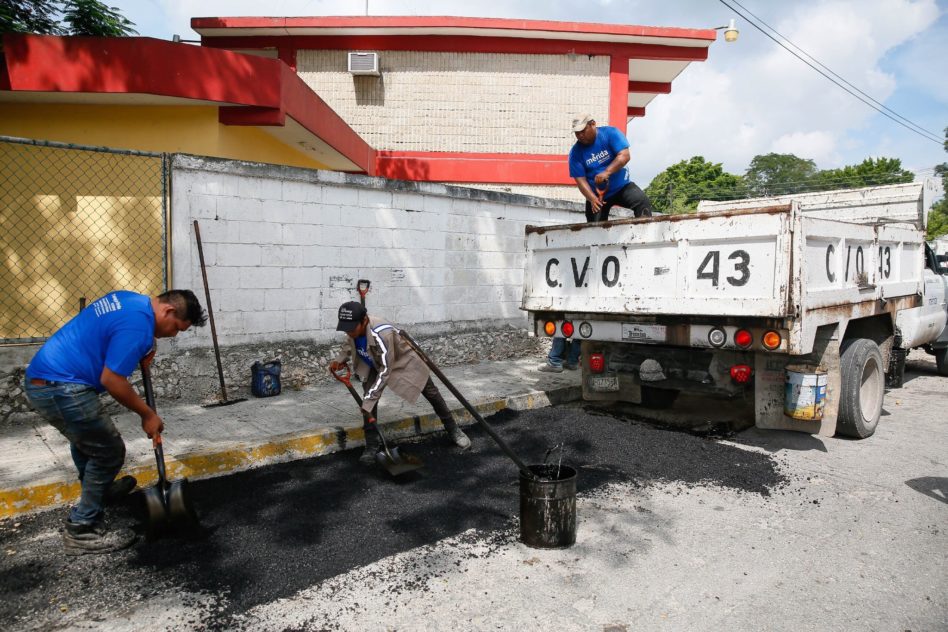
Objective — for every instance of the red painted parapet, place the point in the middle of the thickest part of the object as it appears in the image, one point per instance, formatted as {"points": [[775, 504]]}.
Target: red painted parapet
{"points": [[513, 169]]}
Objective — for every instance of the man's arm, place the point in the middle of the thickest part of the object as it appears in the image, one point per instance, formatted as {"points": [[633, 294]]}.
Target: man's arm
{"points": [[589, 194], [119, 387], [385, 339], [620, 161]]}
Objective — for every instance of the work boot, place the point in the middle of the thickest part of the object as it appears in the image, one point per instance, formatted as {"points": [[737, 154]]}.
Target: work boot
{"points": [[458, 437], [80, 539], [119, 489], [372, 446], [546, 367]]}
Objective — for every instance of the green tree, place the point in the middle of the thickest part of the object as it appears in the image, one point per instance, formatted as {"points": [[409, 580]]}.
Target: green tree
{"points": [[938, 216], [63, 17], [778, 174], [29, 16], [90, 17], [870, 172], [678, 188]]}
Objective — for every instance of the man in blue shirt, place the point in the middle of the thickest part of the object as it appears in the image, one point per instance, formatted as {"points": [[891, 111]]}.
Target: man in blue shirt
{"points": [[597, 162], [95, 352]]}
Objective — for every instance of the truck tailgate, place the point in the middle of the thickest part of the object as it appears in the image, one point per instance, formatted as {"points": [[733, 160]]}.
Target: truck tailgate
{"points": [[734, 264]]}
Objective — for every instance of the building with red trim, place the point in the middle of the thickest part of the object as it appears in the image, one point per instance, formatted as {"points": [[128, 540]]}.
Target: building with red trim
{"points": [[471, 101]]}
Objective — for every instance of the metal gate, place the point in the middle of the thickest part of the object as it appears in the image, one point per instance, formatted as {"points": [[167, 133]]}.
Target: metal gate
{"points": [[76, 222]]}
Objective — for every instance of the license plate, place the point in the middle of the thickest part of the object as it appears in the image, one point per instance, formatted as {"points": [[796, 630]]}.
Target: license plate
{"points": [[643, 333], [604, 382]]}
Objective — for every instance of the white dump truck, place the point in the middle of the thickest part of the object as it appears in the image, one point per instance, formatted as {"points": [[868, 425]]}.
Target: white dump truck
{"points": [[801, 303]]}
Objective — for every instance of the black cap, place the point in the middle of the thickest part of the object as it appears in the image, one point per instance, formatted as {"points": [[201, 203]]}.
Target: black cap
{"points": [[350, 315]]}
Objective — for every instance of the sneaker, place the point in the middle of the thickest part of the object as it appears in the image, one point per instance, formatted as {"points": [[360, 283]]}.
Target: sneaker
{"points": [[459, 438], [80, 539], [549, 368], [119, 489], [571, 367]]}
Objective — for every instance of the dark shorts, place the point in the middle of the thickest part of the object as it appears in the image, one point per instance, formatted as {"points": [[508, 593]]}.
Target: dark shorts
{"points": [[630, 196]]}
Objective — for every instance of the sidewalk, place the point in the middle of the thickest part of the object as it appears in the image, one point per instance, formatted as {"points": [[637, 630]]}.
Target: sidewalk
{"points": [[36, 469]]}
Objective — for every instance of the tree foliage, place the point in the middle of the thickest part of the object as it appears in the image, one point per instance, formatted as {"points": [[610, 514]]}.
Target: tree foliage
{"points": [[29, 16], [870, 172], [678, 189], [63, 17], [777, 174], [938, 216]]}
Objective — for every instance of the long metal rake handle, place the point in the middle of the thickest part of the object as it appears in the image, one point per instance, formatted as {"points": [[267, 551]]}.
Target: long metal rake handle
{"points": [[487, 428]]}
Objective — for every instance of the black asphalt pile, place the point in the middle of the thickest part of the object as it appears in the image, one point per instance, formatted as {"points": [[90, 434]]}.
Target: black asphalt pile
{"points": [[276, 530]]}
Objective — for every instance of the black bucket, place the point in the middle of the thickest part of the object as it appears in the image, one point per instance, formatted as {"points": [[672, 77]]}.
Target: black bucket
{"points": [[548, 507]]}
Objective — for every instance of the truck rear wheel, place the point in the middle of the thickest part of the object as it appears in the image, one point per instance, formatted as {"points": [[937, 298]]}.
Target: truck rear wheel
{"points": [[862, 389]]}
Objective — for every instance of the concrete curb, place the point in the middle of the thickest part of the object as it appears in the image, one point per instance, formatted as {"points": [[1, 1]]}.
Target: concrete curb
{"points": [[278, 449]]}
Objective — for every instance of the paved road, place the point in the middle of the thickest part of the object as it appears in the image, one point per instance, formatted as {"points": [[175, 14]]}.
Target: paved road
{"points": [[773, 530]]}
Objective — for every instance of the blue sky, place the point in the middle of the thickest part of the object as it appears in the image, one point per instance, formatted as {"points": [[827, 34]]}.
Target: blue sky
{"points": [[749, 98]]}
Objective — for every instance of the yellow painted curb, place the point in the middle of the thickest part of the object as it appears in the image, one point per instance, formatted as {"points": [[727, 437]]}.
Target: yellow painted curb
{"points": [[23, 500]]}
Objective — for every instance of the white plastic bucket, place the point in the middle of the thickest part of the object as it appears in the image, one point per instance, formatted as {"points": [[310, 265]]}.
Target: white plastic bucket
{"points": [[805, 395]]}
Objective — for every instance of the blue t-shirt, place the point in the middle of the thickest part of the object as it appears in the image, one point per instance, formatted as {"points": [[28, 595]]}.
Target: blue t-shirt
{"points": [[362, 349], [115, 331], [588, 160]]}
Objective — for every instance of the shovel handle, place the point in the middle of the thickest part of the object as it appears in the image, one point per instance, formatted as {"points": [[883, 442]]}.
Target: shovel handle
{"points": [[490, 431], [362, 285], [155, 440], [344, 376]]}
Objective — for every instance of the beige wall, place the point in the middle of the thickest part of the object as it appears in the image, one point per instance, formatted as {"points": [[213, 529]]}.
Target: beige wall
{"points": [[462, 102]]}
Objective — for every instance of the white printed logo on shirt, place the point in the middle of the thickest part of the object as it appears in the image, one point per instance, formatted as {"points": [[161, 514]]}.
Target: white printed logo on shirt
{"points": [[106, 305]]}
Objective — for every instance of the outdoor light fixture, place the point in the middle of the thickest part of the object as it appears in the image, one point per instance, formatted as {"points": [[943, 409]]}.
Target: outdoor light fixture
{"points": [[730, 31]]}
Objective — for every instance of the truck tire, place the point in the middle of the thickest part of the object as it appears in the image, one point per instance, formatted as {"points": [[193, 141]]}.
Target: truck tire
{"points": [[941, 361], [658, 398], [862, 388]]}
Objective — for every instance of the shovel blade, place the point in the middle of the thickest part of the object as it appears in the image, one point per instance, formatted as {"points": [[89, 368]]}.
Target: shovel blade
{"points": [[397, 464]]}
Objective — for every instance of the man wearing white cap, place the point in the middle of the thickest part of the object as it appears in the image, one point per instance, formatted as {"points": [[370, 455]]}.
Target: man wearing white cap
{"points": [[597, 161]]}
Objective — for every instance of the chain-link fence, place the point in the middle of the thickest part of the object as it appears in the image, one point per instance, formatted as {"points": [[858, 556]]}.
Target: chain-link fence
{"points": [[77, 223]]}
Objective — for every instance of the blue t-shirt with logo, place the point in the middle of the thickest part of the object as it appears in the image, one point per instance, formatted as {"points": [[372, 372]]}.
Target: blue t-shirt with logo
{"points": [[361, 345], [588, 160], [115, 331]]}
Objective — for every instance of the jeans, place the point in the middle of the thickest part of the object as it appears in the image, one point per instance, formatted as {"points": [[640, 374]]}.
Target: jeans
{"points": [[564, 350], [97, 447], [630, 196]]}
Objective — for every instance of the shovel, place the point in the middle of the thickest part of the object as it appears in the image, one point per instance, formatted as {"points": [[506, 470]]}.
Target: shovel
{"points": [[168, 505], [394, 463]]}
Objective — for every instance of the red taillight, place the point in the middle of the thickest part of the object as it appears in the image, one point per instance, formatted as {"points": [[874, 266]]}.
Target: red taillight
{"points": [[597, 362], [743, 338], [567, 329], [741, 373]]}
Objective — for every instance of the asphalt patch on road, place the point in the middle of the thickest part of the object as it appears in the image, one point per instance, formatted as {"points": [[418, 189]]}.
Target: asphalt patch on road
{"points": [[273, 531]]}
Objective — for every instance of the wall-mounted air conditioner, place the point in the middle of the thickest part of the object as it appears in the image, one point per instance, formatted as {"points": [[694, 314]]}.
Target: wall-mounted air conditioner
{"points": [[364, 64]]}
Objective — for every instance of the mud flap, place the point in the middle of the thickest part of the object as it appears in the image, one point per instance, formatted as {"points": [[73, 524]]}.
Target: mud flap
{"points": [[770, 388]]}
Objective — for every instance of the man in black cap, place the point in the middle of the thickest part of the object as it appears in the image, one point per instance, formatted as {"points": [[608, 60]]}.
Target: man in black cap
{"points": [[384, 360]]}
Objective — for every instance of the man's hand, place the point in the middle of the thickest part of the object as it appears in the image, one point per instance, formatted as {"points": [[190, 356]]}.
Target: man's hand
{"points": [[596, 204], [152, 425], [335, 366], [602, 180]]}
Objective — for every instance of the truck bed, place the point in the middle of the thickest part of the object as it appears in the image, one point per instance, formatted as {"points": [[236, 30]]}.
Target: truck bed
{"points": [[772, 262]]}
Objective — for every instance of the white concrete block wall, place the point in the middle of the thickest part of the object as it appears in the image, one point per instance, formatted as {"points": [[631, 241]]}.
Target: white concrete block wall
{"points": [[462, 102], [285, 247]]}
